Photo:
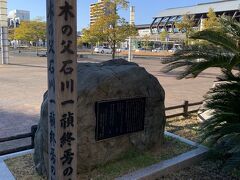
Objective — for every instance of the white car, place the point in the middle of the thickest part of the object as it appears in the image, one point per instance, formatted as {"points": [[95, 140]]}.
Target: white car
{"points": [[157, 50], [103, 50], [176, 48]]}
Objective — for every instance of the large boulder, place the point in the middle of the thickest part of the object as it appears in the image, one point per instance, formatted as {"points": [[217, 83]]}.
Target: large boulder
{"points": [[114, 79]]}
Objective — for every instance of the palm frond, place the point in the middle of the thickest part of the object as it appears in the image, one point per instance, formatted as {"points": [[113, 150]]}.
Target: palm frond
{"points": [[222, 129], [231, 26], [233, 162], [196, 59], [218, 38]]}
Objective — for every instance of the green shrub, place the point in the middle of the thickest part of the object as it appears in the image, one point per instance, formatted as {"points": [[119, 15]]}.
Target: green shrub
{"points": [[221, 49]]}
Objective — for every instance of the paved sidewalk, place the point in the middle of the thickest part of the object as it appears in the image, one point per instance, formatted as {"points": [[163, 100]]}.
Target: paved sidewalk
{"points": [[24, 81], [177, 91]]}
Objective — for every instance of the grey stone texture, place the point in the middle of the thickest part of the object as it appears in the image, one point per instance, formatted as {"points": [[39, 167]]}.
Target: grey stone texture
{"points": [[114, 79]]}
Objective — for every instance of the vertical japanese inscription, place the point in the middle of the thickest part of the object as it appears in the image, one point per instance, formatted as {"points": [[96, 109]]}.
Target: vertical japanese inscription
{"points": [[51, 89], [62, 89]]}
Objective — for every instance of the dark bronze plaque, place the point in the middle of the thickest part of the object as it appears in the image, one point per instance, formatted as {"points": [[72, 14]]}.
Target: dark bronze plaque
{"points": [[115, 118]]}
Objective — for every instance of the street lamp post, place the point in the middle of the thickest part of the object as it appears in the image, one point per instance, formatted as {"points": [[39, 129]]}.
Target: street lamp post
{"points": [[132, 21], [4, 31]]}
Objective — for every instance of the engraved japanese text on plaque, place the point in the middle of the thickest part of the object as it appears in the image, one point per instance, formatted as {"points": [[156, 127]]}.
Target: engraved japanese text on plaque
{"points": [[119, 117]]}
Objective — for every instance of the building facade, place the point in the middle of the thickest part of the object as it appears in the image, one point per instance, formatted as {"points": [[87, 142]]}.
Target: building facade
{"points": [[22, 14], [95, 14], [100, 8], [16, 16], [167, 19]]}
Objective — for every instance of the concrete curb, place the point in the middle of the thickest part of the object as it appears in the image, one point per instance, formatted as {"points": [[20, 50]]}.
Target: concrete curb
{"points": [[165, 167], [184, 140], [5, 173], [13, 155]]}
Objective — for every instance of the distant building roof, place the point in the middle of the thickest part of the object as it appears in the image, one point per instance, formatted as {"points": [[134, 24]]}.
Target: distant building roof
{"points": [[22, 14], [143, 26], [218, 6]]}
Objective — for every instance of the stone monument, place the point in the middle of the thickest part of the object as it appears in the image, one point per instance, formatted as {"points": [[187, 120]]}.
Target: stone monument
{"points": [[120, 107]]}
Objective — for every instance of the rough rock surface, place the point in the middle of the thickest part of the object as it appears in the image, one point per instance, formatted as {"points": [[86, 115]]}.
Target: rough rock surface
{"points": [[114, 79]]}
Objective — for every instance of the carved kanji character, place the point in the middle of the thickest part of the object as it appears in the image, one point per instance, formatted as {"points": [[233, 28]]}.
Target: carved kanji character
{"points": [[53, 170], [50, 29], [69, 85], [52, 119], [51, 48], [52, 101], [66, 47], [51, 84], [53, 156], [52, 138], [68, 171], [50, 13], [51, 66], [67, 102], [66, 11], [67, 157], [67, 120], [65, 68], [67, 30], [66, 138]]}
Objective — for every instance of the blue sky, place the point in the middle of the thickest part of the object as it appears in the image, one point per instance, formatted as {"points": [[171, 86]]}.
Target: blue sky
{"points": [[145, 9]]}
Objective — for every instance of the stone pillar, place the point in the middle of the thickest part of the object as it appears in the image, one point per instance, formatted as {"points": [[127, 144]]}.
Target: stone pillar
{"points": [[132, 20], [4, 45], [62, 89], [4, 31]]}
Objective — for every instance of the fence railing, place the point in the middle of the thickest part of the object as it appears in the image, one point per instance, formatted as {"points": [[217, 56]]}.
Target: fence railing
{"points": [[185, 107], [17, 137]]}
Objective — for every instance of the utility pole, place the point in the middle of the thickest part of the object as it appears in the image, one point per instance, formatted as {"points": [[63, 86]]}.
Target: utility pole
{"points": [[132, 22], [4, 31]]}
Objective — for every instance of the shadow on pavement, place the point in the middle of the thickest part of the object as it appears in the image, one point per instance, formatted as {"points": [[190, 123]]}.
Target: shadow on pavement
{"points": [[27, 65], [14, 123]]}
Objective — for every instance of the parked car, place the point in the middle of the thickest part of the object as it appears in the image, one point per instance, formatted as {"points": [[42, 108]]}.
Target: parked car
{"points": [[157, 49], [103, 50], [121, 49], [140, 49], [176, 47], [42, 54]]}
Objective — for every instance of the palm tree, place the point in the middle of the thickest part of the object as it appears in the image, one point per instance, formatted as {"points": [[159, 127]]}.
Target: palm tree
{"points": [[217, 48]]}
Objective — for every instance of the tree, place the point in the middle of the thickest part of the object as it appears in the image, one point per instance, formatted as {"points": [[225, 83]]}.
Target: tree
{"points": [[163, 35], [31, 31], [79, 42], [186, 26], [212, 21], [222, 130], [88, 37], [11, 34], [109, 26], [146, 41]]}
